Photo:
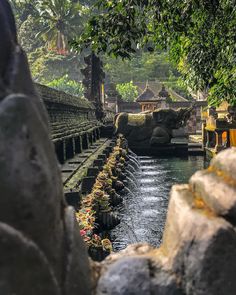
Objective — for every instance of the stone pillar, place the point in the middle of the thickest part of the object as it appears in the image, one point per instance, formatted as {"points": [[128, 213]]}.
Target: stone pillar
{"points": [[69, 148], [99, 133], [94, 135], [73, 146], [91, 137], [219, 143], [85, 143], [207, 139], [204, 135], [78, 144], [93, 81], [228, 139], [87, 139]]}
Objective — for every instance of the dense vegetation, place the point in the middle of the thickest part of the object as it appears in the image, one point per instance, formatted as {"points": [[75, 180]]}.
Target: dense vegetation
{"points": [[45, 26], [128, 91], [147, 36], [199, 36]]}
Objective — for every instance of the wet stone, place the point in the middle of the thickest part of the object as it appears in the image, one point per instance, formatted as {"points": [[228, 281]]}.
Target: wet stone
{"points": [[92, 171], [87, 184], [98, 163]]}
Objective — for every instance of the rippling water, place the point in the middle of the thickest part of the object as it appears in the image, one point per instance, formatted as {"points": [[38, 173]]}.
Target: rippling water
{"points": [[143, 213]]}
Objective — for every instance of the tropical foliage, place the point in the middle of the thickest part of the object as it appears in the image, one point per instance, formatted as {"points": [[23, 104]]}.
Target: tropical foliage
{"points": [[199, 35], [67, 85], [128, 91], [39, 30], [61, 19], [38, 33], [141, 66]]}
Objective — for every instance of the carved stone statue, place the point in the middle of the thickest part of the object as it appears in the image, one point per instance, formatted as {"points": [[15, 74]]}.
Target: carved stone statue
{"points": [[153, 128]]}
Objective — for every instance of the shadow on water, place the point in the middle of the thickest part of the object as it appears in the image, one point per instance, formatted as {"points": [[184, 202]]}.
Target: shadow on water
{"points": [[143, 212]]}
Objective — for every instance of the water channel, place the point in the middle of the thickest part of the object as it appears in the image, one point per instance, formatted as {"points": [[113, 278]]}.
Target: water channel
{"points": [[143, 211]]}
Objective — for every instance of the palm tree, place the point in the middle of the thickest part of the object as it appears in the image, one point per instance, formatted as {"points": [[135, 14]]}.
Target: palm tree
{"points": [[62, 19]]}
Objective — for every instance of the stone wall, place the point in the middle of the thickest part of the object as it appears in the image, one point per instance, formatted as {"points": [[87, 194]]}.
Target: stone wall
{"points": [[72, 120], [129, 107]]}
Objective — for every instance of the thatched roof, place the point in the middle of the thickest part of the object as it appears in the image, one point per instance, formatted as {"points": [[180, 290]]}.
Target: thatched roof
{"points": [[146, 95]]}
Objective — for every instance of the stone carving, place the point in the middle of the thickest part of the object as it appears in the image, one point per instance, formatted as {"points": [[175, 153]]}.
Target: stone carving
{"points": [[42, 251], [153, 128], [93, 80], [231, 116]]}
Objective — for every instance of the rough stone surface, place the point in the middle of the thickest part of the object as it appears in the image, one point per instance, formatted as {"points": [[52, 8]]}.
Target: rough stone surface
{"points": [[24, 269], [200, 247], [163, 283], [181, 132], [128, 276], [30, 179], [145, 130], [135, 274], [41, 249], [131, 250], [77, 271], [217, 194], [225, 161]]}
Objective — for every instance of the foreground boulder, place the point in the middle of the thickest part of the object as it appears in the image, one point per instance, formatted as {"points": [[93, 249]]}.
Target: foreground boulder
{"points": [[200, 246], [40, 244]]}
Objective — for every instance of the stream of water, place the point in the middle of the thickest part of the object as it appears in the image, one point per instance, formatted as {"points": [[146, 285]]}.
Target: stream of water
{"points": [[143, 212]]}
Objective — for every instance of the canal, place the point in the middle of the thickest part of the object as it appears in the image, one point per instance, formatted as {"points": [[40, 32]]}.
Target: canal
{"points": [[144, 208]]}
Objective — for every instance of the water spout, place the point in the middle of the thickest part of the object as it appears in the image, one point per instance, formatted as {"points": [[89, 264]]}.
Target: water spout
{"points": [[133, 154], [127, 172], [134, 164], [131, 168], [130, 182], [128, 191], [134, 159]]}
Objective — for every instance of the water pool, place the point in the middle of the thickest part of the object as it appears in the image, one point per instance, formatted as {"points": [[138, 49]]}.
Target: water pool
{"points": [[143, 211]]}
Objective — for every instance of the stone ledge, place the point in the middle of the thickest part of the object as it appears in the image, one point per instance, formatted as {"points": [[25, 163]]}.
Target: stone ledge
{"points": [[56, 96]]}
